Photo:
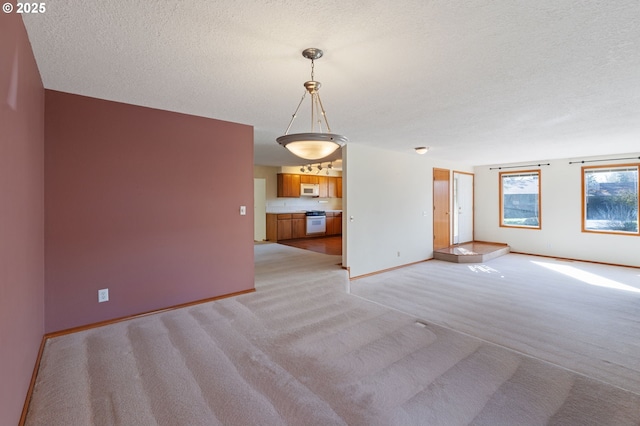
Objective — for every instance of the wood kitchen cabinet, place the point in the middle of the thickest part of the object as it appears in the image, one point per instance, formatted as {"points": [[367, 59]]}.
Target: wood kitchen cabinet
{"points": [[334, 223], [324, 186], [288, 185], [285, 226], [331, 227], [298, 225], [285, 230], [309, 179], [332, 188], [272, 227]]}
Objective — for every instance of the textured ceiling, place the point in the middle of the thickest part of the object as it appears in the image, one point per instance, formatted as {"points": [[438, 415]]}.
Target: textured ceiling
{"points": [[479, 81]]}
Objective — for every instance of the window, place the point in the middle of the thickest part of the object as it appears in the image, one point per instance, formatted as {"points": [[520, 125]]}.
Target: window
{"points": [[610, 199], [520, 199]]}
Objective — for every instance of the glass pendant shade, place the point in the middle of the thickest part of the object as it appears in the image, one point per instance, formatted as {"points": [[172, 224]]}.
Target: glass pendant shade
{"points": [[312, 146]]}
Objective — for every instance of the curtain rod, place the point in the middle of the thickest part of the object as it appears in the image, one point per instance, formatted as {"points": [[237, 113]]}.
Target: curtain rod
{"points": [[608, 159], [519, 167]]}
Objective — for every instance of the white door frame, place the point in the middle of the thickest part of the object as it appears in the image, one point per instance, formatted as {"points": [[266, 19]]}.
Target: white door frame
{"points": [[259, 209]]}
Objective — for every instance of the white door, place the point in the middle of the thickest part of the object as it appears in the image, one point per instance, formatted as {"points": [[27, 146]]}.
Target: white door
{"points": [[260, 209], [463, 207]]}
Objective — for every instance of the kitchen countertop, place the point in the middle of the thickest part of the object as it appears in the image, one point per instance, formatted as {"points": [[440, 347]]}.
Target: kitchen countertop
{"points": [[303, 211]]}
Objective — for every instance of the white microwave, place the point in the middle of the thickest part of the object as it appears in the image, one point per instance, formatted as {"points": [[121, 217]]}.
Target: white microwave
{"points": [[309, 190]]}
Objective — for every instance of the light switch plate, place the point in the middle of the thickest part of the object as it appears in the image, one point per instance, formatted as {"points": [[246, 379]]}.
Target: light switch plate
{"points": [[243, 210]]}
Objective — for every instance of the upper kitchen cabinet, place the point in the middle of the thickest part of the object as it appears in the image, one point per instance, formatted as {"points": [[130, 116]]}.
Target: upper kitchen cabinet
{"points": [[288, 185], [324, 186], [309, 179], [333, 187]]}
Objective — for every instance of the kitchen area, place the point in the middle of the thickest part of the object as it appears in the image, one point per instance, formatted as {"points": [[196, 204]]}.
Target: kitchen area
{"points": [[301, 207], [303, 224]]}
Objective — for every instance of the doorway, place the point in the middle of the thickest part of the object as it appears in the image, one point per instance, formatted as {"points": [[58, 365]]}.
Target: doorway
{"points": [[441, 224], [260, 209]]}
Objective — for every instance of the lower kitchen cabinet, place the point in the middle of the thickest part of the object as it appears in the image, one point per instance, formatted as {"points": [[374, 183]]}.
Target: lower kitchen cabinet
{"points": [[339, 222], [298, 225], [285, 231], [334, 223], [331, 225], [272, 227], [279, 226], [285, 226]]}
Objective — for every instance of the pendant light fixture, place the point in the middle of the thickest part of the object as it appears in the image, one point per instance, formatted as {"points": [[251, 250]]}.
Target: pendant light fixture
{"points": [[315, 144]]}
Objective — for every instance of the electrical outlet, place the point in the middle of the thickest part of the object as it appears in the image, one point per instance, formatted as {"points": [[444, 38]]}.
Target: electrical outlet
{"points": [[398, 254], [103, 295]]}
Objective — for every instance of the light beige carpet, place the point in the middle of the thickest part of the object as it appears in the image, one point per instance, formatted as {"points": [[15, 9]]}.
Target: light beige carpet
{"points": [[582, 316], [301, 351]]}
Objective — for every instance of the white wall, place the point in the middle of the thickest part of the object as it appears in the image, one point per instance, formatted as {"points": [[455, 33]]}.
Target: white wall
{"points": [[389, 194], [561, 212]]}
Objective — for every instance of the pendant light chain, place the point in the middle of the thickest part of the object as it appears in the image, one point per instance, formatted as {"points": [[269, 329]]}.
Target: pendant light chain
{"points": [[312, 67]]}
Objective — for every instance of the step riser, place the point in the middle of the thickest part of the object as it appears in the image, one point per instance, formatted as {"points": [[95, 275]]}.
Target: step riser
{"points": [[474, 256]]}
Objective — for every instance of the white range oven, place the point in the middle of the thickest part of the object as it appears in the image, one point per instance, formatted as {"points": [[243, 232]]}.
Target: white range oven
{"points": [[316, 222]]}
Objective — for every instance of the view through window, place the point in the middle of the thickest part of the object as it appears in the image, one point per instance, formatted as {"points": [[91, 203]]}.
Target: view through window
{"points": [[610, 199], [520, 199]]}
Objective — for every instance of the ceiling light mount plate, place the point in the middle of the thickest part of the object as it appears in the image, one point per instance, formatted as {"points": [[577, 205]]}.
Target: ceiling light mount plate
{"points": [[312, 53]]}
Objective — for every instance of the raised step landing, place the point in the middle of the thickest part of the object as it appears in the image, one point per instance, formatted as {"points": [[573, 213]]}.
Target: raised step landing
{"points": [[473, 252]]}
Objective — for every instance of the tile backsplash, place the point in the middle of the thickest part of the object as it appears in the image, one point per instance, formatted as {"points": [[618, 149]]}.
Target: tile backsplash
{"points": [[286, 205]]}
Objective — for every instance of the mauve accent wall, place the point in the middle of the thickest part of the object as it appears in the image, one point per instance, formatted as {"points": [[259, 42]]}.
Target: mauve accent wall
{"points": [[21, 215], [143, 202]]}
